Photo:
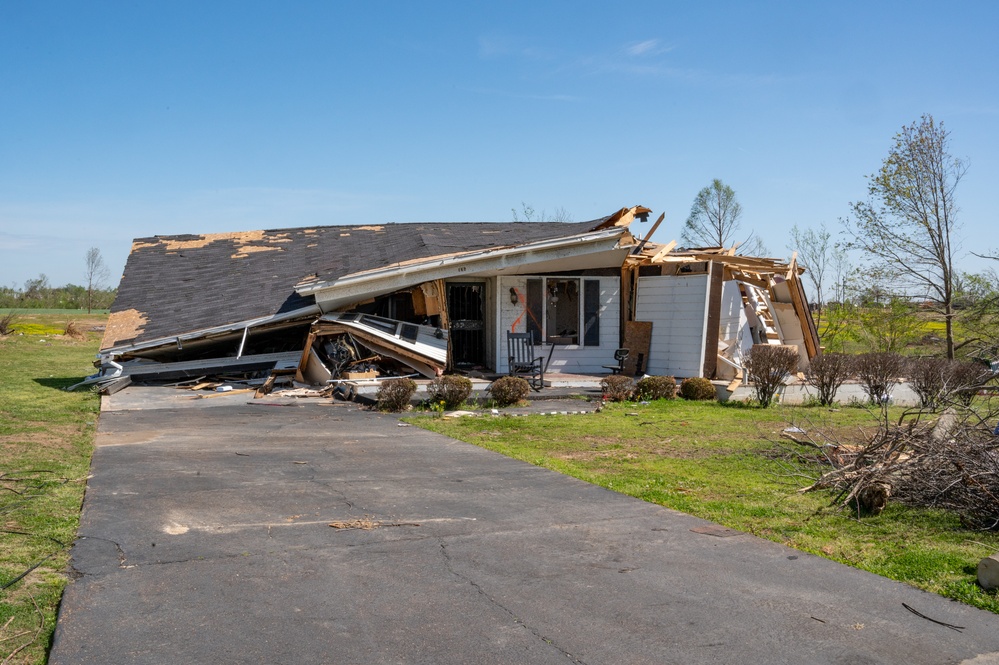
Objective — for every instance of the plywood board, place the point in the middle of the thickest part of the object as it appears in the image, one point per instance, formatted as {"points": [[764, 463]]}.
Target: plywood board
{"points": [[637, 339]]}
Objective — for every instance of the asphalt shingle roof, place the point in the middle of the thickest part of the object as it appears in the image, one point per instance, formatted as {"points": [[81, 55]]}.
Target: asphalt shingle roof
{"points": [[178, 284]]}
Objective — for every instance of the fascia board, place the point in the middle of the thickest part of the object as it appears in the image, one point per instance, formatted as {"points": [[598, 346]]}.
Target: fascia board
{"points": [[352, 288]]}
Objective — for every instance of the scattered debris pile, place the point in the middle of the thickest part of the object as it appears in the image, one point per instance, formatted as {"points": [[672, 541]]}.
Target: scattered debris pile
{"points": [[950, 462]]}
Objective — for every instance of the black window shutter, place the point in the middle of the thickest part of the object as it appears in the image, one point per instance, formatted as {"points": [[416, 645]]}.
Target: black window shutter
{"points": [[591, 312], [535, 308]]}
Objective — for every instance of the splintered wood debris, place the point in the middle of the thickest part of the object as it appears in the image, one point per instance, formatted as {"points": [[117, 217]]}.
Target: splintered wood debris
{"points": [[367, 524]]}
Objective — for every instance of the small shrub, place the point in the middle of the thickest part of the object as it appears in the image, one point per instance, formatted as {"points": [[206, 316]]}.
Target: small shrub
{"points": [[928, 378], [394, 394], [451, 389], [73, 331], [697, 388], [826, 373], [508, 390], [656, 387], [878, 373], [965, 379], [7, 323], [768, 365], [617, 388]]}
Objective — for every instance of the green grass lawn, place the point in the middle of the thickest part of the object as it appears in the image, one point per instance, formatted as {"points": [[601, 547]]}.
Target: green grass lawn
{"points": [[46, 441], [730, 465]]}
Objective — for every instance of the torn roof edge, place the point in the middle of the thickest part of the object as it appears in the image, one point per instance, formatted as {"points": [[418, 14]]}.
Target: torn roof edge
{"points": [[302, 312]]}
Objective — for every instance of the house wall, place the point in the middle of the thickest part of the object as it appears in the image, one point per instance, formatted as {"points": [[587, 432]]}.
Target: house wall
{"points": [[568, 359], [677, 306]]}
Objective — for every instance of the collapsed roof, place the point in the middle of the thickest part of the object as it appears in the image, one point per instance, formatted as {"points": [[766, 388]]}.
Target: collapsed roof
{"points": [[177, 289]]}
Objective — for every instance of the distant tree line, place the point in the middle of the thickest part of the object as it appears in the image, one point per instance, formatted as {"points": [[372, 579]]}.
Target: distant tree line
{"points": [[37, 293]]}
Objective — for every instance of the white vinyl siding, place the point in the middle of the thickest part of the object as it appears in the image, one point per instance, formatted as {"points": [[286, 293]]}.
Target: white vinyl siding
{"points": [[568, 359], [677, 306]]}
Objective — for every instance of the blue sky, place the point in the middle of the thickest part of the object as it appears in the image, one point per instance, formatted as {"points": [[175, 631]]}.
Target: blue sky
{"points": [[131, 119]]}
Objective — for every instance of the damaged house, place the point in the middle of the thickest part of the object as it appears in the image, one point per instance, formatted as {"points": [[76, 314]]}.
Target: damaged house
{"points": [[354, 303]]}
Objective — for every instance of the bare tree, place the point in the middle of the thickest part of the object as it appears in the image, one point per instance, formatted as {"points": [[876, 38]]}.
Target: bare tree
{"points": [[905, 227], [714, 218], [842, 270], [815, 251], [96, 276], [529, 214]]}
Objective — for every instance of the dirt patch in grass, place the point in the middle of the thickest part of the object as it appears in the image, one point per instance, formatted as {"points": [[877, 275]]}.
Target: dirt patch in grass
{"points": [[42, 435], [619, 452]]}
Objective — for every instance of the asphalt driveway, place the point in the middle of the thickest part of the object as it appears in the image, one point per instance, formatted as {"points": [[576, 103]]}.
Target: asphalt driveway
{"points": [[205, 538]]}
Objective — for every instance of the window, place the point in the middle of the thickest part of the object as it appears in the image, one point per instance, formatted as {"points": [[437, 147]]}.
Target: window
{"points": [[566, 310]]}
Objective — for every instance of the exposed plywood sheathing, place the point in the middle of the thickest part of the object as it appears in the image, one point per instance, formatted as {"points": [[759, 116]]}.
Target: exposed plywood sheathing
{"points": [[174, 244], [246, 250], [123, 326], [445, 321]]}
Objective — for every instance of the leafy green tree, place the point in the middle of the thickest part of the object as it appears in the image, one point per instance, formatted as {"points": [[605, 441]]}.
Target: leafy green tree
{"points": [[887, 328], [715, 217], [906, 227]]}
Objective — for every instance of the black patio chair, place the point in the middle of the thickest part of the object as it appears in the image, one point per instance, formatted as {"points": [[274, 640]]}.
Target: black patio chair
{"points": [[620, 356]]}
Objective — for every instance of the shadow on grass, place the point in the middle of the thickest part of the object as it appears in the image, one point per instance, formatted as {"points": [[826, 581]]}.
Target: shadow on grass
{"points": [[60, 383]]}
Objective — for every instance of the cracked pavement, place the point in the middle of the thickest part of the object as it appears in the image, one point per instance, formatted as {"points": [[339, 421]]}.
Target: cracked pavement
{"points": [[205, 538]]}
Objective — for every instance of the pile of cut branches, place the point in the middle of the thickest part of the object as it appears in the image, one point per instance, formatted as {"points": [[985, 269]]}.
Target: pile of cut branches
{"points": [[948, 461]]}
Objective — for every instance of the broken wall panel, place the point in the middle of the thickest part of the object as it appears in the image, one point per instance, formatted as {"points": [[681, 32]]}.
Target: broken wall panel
{"points": [[421, 348]]}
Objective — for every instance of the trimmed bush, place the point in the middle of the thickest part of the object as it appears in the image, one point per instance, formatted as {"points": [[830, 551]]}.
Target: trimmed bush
{"points": [[394, 394], [656, 387], [826, 373], [768, 366], [878, 373], [451, 389], [508, 390], [697, 388], [617, 388]]}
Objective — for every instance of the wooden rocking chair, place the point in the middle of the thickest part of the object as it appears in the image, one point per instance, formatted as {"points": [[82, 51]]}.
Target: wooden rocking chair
{"points": [[523, 361]]}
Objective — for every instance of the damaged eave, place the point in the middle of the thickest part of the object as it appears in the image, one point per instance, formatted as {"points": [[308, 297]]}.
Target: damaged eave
{"points": [[187, 336], [354, 287]]}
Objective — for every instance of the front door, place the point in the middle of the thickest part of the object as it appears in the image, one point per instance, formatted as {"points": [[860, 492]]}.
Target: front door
{"points": [[467, 327]]}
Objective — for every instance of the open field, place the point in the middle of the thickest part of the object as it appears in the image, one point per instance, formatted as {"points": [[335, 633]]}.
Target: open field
{"points": [[46, 440], [728, 464]]}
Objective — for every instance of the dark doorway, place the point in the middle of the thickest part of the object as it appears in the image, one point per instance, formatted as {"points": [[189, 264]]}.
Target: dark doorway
{"points": [[467, 333]]}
